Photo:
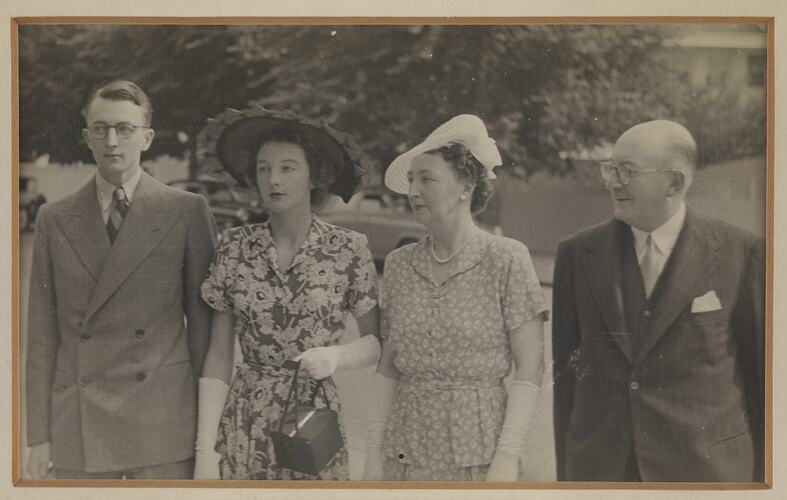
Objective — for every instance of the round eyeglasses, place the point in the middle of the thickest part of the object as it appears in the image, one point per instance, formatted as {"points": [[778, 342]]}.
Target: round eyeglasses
{"points": [[624, 174], [123, 130]]}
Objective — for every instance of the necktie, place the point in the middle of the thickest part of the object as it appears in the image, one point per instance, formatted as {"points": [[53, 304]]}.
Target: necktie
{"points": [[649, 266], [117, 212]]}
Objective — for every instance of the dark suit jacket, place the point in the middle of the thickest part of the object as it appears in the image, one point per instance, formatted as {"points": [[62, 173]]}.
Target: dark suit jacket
{"points": [[111, 363], [689, 401]]}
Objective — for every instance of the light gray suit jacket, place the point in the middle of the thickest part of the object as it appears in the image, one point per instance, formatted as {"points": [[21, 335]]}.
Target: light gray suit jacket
{"points": [[111, 363]]}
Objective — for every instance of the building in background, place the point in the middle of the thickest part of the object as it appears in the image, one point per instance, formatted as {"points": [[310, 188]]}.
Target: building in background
{"points": [[545, 209]]}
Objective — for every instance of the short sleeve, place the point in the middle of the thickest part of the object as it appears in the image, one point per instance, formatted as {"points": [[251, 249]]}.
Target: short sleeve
{"points": [[217, 286], [522, 299], [362, 290]]}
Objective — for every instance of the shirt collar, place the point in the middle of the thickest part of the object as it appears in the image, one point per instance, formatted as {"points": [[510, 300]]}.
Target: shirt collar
{"points": [[317, 230], [664, 236], [106, 189]]}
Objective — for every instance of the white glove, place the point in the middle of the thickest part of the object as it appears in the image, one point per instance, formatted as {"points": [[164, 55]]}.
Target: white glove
{"points": [[380, 403], [212, 396], [39, 460], [321, 362], [522, 401]]}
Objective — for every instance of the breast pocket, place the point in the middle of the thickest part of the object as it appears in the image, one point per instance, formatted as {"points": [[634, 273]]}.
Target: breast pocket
{"points": [[710, 316], [706, 336]]}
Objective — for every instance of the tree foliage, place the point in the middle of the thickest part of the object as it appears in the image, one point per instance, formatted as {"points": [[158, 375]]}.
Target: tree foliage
{"points": [[545, 91]]}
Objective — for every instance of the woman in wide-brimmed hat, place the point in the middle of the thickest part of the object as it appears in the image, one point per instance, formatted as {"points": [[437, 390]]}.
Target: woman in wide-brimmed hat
{"points": [[283, 287], [459, 306]]}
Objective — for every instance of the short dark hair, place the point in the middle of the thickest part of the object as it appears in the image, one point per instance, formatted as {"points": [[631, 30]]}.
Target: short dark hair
{"points": [[320, 174], [122, 90], [468, 167]]}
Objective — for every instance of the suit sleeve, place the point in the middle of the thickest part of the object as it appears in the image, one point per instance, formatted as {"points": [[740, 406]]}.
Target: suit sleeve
{"points": [[565, 341], [42, 335], [749, 324], [200, 247]]}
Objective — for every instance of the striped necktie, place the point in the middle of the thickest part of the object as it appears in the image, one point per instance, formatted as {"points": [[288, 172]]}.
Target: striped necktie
{"points": [[117, 212]]}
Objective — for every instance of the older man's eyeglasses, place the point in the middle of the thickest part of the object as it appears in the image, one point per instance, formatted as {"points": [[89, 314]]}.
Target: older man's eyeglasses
{"points": [[123, 130], [610, 169]]}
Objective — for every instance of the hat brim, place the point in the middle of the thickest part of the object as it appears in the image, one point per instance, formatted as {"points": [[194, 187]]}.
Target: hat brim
{"points": [[465, 129], [231, 141], [396, 174]]}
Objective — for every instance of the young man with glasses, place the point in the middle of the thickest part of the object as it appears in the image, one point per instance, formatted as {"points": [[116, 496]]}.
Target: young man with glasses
{"points": [[117, 331], [658, 330]]}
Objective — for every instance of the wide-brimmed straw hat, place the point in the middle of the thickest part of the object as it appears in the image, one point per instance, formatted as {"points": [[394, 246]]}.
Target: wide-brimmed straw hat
{"points": [[229, 143], [467, 130]]}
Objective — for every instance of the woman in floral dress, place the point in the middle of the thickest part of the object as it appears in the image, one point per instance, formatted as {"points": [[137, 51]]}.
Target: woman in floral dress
{"points": [[283, 288], [458, 307]]}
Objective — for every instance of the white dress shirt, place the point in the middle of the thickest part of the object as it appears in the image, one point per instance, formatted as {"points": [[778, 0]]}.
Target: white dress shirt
{"points": [[664, 238], [105, 190]]}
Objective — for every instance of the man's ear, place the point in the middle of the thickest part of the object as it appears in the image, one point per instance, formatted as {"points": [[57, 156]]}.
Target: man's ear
{"points": [[677, 182], [149, 135], [86, 138]]}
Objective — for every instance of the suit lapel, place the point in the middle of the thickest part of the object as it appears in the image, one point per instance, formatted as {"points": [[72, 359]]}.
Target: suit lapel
{"points": [[602, 264], [82, 225], [693, 259], [147, 222]]}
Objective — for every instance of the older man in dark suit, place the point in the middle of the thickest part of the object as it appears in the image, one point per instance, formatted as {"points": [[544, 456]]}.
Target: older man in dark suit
{"points": [[658, 330], [117, 330]]}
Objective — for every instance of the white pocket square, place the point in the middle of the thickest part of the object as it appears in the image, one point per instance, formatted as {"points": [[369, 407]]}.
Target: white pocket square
{"points": [[708, 302]]}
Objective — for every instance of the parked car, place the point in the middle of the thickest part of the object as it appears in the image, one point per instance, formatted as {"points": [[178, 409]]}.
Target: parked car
{"points": [[30, 200], [384, 217], [230, 206]]}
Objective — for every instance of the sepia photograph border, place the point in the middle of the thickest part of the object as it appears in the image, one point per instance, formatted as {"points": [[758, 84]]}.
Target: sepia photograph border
{"points": [[16, 362]]}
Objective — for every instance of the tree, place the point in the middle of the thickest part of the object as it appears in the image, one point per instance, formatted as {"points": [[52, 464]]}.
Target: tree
{"points": [[545, 91], [187, 71]]}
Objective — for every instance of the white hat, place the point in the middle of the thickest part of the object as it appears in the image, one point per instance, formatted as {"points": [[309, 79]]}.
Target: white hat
{"points": [[467, 130]]}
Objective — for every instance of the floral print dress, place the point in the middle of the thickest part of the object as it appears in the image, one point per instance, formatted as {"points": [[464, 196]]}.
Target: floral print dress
{"points": [[278, 315], [452, 351]]}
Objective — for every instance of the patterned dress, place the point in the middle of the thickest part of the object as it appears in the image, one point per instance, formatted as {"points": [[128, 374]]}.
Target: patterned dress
{"points": [[452, 350], [278, 315]]}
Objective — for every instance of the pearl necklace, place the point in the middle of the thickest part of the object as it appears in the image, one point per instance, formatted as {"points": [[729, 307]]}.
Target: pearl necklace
{"points": [[453, 254]]}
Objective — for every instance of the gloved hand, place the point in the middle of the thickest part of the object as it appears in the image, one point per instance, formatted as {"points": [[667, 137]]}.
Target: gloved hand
{"points": [[38, 460], [321, 362], [206, 464], [380, 403], [210, 405], [522, 401]]}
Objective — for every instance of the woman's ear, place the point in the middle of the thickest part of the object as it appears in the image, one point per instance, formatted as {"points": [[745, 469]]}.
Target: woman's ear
{"points": [[467, 191]]}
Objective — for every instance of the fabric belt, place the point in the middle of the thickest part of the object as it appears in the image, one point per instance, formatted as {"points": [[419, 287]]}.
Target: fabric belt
{"points": [[448, 385], [275, 370]]}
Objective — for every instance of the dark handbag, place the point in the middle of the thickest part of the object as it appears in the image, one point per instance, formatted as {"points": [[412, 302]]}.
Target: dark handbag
{"points": [[308, 437]]}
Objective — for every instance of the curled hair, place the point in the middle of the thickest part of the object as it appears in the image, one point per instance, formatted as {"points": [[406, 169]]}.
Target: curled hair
{"points": [[468, 168], [122, 90], [321, 175]]}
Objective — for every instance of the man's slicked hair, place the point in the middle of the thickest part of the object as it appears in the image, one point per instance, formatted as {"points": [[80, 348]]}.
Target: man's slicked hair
{"points": [[122, 90]]}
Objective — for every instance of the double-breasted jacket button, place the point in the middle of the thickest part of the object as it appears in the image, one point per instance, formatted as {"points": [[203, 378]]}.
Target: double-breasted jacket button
{"points": [[84, 337], [141, 376], [84, 381], [634, 385], [647, 313], [140, 333]]}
